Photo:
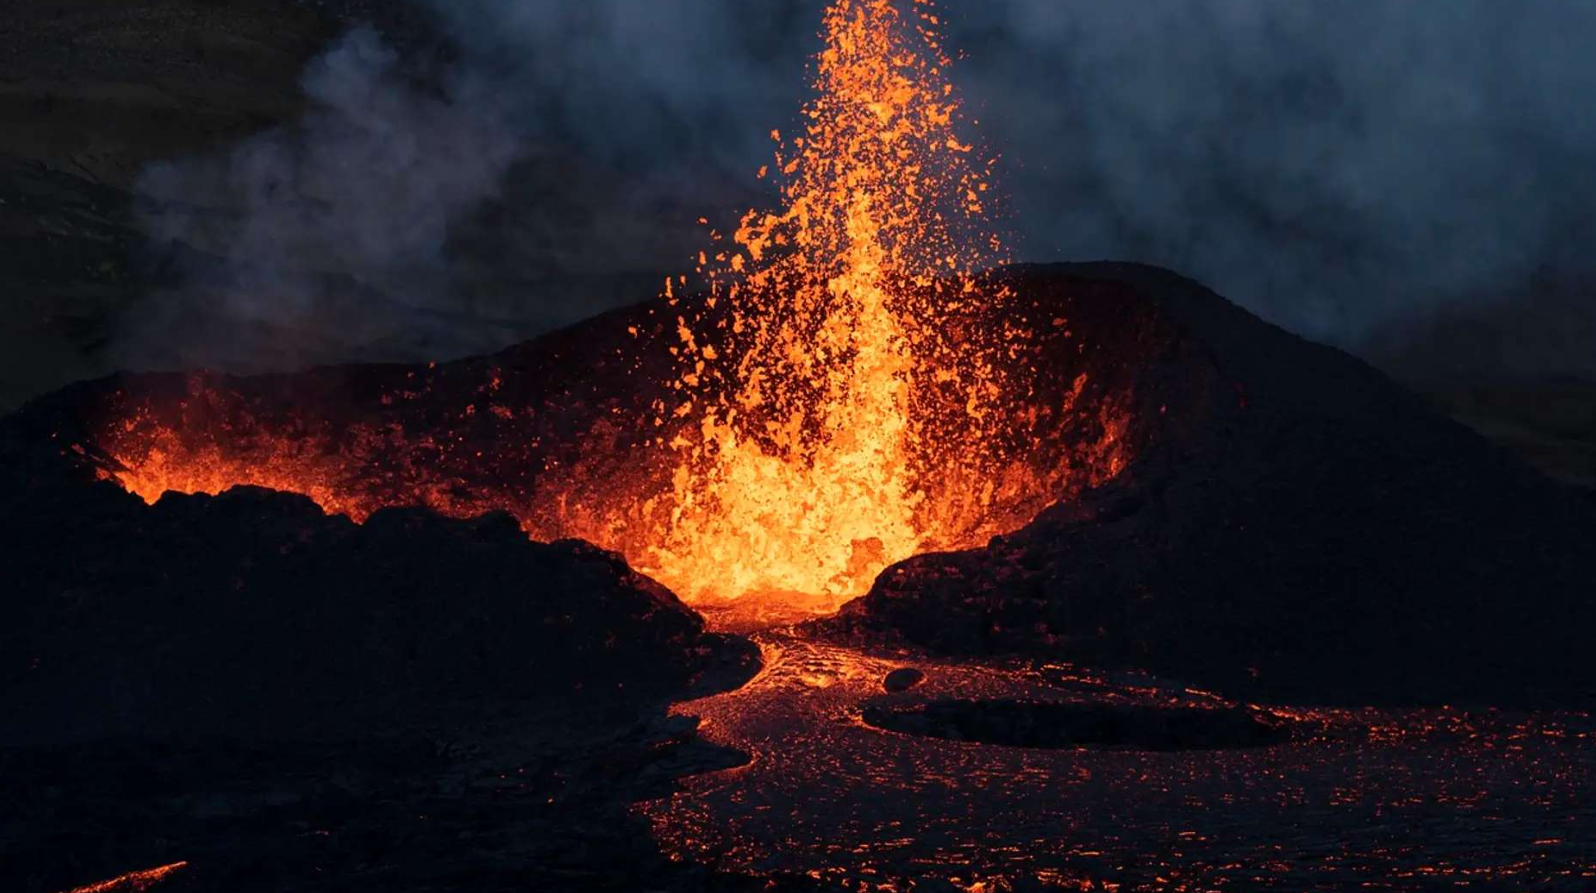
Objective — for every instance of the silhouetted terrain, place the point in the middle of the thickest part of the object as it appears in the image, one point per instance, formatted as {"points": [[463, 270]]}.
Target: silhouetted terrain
{"points": [[1477, 362]]}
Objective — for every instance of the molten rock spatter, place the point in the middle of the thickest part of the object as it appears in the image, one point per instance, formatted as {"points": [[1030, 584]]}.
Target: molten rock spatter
{"points": [[559, 432], [849, 391], [133, 881], [820, 454]]}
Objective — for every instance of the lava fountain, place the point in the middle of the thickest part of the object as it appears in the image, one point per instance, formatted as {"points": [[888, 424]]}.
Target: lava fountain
{"points": [[851, 385], [812, 472]]}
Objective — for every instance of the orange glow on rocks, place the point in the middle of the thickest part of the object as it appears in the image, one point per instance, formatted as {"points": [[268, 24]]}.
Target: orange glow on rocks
{"points": [[849, 390], [134, 880]]}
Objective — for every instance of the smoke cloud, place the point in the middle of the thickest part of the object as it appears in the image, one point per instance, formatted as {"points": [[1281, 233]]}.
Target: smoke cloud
{"points": [[1339, 168], [357, 199], [1343, 169]]}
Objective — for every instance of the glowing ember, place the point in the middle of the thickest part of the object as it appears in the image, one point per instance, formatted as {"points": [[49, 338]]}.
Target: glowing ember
{"points": [[133, 880], [850, 390]]}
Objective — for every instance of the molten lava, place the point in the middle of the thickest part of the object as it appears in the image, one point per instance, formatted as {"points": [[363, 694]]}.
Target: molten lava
{"points": [[133, 881], [848, 391], [816, 469]]}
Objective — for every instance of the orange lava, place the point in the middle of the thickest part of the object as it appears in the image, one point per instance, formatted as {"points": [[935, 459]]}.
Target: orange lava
{"points": [[846, 393], [817, 469], [1392, 799], [133, 880]]}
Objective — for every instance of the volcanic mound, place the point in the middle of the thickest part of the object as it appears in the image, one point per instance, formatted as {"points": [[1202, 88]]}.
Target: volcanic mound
{"points": [[1294, 526], [256, 614], [1186, 489]]}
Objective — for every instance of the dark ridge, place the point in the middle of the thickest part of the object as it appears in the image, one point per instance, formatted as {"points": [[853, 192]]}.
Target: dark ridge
{"points": [[253, 613]]}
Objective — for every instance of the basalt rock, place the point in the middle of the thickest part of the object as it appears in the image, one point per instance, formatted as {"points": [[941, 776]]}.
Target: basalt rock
{"points": [[1241, 509], [1294, 526], [254, 613], [902, 679]]}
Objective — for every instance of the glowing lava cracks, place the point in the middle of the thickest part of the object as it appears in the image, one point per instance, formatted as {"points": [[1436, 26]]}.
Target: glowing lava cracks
{"points": [[847, 392]]}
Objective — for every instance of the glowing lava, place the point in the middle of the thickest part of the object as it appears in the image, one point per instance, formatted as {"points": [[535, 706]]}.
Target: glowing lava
{"points": [[812, 472], [849, 390], [133, 881]]}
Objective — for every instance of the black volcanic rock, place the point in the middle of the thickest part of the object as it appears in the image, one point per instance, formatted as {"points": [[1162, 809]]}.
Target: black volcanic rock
{"points": [[287, 700], [1295, 526], [902, 679], [254, 613]]}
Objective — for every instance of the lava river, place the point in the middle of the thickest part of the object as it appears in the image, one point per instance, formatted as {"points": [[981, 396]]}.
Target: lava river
{"points": [[1385, 799]]}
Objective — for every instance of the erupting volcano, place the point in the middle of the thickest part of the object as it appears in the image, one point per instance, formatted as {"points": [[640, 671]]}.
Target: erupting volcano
{"points": [[843, 391], [849, 420], [860, 557]]}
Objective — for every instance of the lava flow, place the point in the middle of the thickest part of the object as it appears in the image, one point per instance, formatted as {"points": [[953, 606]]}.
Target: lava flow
{"points": [[850, 388], [1372, 799], [133, 881]]}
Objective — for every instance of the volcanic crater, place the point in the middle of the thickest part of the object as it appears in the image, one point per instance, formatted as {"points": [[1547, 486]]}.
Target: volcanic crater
{"points": [[565, 432], [1192, 491]]}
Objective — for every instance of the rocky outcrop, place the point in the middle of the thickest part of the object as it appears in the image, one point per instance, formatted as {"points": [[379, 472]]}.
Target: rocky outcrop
{"points": [[254, 613]]}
